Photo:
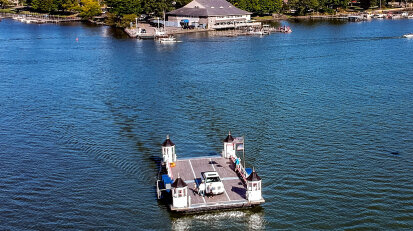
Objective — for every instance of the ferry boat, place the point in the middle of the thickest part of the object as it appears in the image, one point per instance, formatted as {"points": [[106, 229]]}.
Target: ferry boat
{"points": [[170, 39], [199, 184]]}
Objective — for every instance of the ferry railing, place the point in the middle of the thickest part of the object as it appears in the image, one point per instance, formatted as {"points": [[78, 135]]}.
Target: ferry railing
{"points": [[240, 169], [41, 17], [169, 170], [158, 192], [189, 200]]}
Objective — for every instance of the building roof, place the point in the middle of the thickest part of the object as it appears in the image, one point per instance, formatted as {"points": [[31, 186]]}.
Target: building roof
{"points": [[253, 177], [167, 142], [179, 183], [204, 8], [229, 138]]}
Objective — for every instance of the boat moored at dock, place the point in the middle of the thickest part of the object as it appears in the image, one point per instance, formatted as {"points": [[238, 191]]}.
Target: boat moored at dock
{"points": [[170, 39], [191, 185]]}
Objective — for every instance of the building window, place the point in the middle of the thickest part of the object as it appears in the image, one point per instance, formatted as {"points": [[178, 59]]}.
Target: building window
{"points": [[180, 193]]}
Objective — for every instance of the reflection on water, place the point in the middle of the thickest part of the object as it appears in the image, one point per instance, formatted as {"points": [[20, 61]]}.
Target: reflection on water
{"points": [[314, 22], [115, 32], [240, 219]]}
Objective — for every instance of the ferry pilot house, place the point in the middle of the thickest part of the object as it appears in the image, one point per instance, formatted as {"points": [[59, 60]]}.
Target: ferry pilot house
{"points": [[210, 14]]}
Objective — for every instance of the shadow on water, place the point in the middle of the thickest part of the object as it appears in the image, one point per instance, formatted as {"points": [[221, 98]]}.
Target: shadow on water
{"points": [[117, 33], [316, 22], [274, 23]]}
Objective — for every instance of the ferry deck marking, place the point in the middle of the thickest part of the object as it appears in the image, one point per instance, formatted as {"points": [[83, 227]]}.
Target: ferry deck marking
{"points": [[222, 179], [225, 191], [195, 177]]}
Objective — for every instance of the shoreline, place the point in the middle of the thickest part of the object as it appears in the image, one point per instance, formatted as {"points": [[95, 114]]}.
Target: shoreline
{"points": [[153, 32]]}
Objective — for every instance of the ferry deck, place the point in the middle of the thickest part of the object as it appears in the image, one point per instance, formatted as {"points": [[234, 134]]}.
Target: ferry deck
{"points": [[234, 195]]}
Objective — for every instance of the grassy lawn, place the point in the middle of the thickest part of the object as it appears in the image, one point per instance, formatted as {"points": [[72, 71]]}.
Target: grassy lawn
{"points": [[263, 18], [6, 11]]}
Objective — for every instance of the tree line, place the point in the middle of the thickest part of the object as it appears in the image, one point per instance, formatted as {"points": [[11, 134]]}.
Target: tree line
{"points": [[123, 11], [85, 8], [302, 7]]}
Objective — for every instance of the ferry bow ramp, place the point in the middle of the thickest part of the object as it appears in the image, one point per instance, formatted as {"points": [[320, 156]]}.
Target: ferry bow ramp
{"points": [[199, 184]]}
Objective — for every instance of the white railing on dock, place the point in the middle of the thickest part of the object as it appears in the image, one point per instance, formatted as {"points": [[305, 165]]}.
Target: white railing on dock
{"points": [[41, 18], [240, 169], [237, 25]]}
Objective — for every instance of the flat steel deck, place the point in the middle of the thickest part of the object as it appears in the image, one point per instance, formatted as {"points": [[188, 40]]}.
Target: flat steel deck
{"points": [[235, 190]]}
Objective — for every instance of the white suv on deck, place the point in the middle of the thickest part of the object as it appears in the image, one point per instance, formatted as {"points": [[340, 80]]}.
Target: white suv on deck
{"points": [[212, 182]]}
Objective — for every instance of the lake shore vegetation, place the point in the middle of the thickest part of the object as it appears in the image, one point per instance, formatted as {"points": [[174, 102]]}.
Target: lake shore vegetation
{"points": [[121, 13]]}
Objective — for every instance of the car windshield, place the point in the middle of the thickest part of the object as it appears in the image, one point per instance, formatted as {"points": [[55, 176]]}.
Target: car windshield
{"points": [[213, 179]]}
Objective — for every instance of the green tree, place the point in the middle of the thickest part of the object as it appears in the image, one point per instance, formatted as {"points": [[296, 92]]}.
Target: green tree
{"points": [[126, 20], [4, 3], [270, 6], [53, 5], [89, 8], [69, 5], [259, 6], [242, 4], [44, 5], [303, 6], [330, 5], [253, 6], [365, 4], [123, 7], [180, 3], [157, 7]]}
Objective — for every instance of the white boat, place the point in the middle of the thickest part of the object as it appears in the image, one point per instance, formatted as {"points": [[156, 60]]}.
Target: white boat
{"points": [[379, 16], [410, 35], [256, 33], [170, 39], [19, 18], [367, 16], [253, 31], [160, 34]]}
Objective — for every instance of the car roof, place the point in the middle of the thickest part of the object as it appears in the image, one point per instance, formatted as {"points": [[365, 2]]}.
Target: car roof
{"points": [[210, 173]]}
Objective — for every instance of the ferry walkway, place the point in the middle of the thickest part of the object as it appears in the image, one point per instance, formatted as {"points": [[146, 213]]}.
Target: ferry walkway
{"points": [[190, 171]]}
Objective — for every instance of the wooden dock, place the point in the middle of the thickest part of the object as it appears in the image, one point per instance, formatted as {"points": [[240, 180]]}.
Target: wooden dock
{"points": [[40, 18], [234, 195]]}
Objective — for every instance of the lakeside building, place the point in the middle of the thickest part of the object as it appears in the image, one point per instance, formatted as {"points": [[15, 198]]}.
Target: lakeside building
{"points": [[210, 14]]}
